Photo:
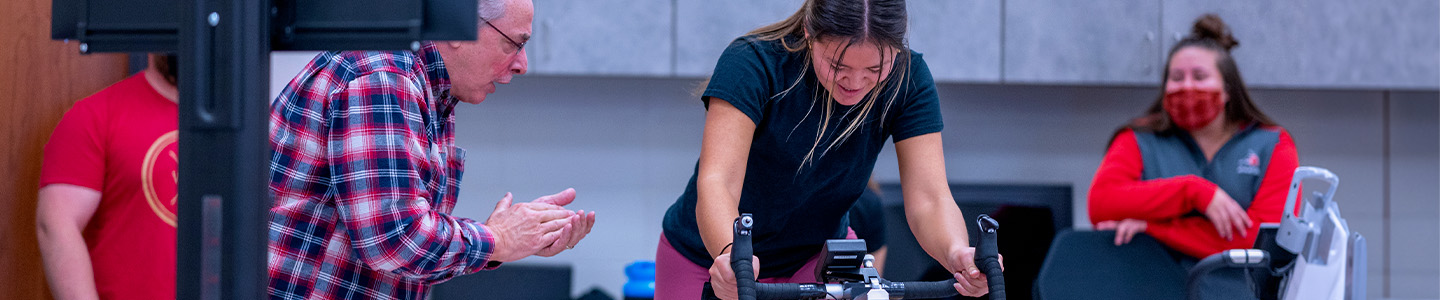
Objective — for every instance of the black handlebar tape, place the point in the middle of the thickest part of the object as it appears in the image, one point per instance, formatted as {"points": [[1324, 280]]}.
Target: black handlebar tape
{"points": [[789, 291], [740, 254], [991, 267], [987, 257], [776, 291], [923, 289]]}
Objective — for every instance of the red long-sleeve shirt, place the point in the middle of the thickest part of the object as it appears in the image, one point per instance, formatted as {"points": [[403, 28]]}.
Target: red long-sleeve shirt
{"points": [[1118, 193]]}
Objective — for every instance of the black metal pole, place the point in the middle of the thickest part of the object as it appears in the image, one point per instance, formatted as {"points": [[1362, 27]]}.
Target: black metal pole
{"points": [[224, 150]]}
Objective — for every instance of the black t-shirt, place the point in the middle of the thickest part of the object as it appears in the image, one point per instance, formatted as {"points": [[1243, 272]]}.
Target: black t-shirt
{"points": [[797, 208], [867, 219]]}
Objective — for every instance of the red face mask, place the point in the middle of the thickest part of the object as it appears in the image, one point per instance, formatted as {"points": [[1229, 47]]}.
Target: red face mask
{"points": [[1193, 109]]}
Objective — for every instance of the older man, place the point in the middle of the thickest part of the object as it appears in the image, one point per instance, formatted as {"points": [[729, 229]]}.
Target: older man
{"points": [[365, 171]]}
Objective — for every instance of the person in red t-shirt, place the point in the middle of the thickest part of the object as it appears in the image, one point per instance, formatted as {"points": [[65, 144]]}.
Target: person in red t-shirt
{"points": [[106, 212]]}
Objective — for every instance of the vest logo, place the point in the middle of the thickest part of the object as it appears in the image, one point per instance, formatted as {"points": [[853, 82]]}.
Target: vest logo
{"points": [[1249, 165]]}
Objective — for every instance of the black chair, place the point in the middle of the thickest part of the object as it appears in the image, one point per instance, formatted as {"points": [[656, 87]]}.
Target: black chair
{"points": [[1142, 269]]}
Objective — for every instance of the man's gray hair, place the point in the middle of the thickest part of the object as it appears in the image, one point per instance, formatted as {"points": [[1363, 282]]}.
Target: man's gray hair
{"points": [[491, 10]]}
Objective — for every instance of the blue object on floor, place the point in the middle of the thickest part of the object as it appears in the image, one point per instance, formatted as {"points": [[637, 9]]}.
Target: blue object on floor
{"points": [[642, 279]]}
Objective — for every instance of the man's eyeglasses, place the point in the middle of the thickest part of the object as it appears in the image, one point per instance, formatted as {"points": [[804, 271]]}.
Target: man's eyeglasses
{"points": [[518, 45]]}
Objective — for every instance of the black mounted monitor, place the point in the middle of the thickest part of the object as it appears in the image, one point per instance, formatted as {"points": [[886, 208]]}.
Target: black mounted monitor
{"points": [[153, 25], [117, 25], [1030, 215]]}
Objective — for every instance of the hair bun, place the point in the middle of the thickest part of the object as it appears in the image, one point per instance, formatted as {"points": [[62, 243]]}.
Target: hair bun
{"points": [[1211, 27]]}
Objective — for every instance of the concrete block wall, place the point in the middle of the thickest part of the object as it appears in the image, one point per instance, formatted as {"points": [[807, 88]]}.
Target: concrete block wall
{"points": [[1373, 45], [1329, 44]]}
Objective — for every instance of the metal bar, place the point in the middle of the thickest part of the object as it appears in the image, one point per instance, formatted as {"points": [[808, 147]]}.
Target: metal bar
{"points": [[224, 203], [354, 25]]}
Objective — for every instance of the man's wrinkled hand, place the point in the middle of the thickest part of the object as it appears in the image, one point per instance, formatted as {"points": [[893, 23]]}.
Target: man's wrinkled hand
{"points": [[580, 223], [524, 229], [579, 227]]}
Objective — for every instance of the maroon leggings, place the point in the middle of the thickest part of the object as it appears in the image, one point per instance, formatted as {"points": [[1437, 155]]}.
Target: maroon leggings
{"points": [[677, 278]]}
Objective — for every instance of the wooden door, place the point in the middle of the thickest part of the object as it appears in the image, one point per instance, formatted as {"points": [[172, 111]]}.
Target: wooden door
{"points": [[39, 80]]}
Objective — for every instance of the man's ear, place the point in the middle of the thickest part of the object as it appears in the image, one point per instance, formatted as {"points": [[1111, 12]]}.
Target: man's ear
{"points": [[453, 44]]}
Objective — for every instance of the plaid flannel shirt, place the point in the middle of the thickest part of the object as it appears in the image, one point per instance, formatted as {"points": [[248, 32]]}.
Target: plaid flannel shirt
{"points": [[364, 172]]}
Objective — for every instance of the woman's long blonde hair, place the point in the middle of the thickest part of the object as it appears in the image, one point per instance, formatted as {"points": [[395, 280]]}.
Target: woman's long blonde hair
{"points": [[882, 22]]}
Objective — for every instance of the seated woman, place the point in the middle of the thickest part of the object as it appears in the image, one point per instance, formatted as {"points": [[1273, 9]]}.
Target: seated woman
{"points": [[1203, 167]]}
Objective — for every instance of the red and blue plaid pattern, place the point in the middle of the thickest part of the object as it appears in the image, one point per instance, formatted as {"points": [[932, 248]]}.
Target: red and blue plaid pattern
{"points": [[364, 172]]}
